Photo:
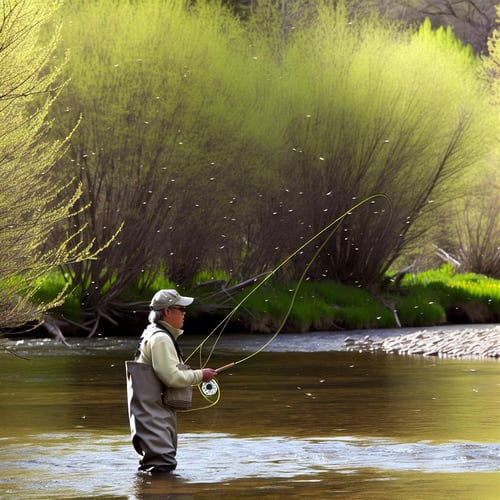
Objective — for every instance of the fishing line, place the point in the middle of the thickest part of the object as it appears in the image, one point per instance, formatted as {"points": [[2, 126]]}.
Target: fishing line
{"points": [[212, 392]]}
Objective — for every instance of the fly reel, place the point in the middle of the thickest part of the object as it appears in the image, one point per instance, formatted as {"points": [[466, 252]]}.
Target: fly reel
{"points": [[210, 390]]}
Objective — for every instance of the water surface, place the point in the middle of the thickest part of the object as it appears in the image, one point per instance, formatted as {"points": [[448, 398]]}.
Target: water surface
{"points": [[303, 419]]}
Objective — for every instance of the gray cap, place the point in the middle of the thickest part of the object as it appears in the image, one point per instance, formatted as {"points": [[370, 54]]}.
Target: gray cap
{"points": [[169, 298]]}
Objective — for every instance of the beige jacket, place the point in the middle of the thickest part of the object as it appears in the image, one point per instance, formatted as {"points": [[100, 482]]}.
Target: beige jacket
{"points": [[158, 350]]}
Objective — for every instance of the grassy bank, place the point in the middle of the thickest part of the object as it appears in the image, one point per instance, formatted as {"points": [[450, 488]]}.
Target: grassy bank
{"points": [[429, 298]]}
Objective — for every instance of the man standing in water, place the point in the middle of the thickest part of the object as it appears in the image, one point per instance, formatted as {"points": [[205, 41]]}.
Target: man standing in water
{"points": [[159, 383]]}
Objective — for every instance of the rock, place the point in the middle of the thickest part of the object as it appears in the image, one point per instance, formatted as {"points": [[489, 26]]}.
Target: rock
{"points": [[476, 342]]}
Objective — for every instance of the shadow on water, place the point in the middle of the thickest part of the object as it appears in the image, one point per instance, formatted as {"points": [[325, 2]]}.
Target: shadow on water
{"points": [[323, 423]]}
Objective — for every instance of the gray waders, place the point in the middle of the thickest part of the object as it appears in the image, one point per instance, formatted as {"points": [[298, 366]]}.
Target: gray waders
{"points": [[153, 425]]}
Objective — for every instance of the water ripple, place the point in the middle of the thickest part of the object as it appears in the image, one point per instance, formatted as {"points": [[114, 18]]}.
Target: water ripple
{"points": [[87, 464]]}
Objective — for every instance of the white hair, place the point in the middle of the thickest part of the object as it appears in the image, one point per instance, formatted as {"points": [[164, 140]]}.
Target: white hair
{"points": [[155, 316]]}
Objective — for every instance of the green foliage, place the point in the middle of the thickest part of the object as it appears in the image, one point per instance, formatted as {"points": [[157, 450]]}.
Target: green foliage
{"points": [[48, 291], [477, 221], [347, 305], [50, 285], [33, 202], [146, 286], [490, 63], [423, 300], [208, 276], [318, 306], [446, 287], [168, 102], [373, 110], [420, 307], [324, 305], [471, 235], [224, 145], [443, 38], [160, 281]]}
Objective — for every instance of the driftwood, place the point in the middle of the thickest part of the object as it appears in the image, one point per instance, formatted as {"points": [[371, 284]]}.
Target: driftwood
{"points": [[391, 306], [397, 277], [220, 296], [50, 324], [442, 254]]}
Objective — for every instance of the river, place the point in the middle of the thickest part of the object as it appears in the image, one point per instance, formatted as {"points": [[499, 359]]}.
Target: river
{"points": [[303, 419]]}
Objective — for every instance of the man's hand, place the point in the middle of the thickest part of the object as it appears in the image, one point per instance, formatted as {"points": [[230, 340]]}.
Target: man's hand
{"points": [[208, 374]]}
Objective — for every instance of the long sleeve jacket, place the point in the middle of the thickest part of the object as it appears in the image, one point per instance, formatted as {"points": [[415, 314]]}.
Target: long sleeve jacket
{"points": [[158, 350]]}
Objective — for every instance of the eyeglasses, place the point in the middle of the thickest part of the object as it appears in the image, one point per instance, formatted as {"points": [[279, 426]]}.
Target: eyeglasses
{"points": [[179, 308]]}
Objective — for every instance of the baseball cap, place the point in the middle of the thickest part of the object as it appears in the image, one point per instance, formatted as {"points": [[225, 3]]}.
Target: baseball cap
{"points": [[169, 298]]}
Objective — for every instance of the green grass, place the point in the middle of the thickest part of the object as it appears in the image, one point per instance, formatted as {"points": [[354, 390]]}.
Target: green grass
{"points": [[316, 306], [208, 276], [419, 308], [421, 300], [447, 287]]}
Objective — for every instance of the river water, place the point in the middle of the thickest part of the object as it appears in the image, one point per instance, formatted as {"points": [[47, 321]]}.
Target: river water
{"points": [[305, 418]]}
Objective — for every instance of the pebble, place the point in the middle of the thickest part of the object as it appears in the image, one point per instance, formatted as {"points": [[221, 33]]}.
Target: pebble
{"points": [[460, 343]]}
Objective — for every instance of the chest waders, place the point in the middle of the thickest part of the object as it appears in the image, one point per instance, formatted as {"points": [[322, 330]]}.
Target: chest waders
{"points": [[153, 424]]}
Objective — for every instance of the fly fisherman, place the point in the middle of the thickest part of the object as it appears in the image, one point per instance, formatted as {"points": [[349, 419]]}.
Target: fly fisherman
{"points": [[159, 383]]}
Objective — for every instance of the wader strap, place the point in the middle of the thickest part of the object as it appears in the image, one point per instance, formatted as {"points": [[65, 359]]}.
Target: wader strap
{"points": [[161, 330]]}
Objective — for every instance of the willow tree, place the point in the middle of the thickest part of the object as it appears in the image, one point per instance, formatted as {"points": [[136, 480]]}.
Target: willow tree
{"points": [[166, 93], [371, 110], [478, 220], [219, 143], [32, 201]]}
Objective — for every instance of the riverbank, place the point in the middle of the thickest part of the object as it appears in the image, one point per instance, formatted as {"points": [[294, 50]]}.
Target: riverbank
{"points": [[474, 342]]}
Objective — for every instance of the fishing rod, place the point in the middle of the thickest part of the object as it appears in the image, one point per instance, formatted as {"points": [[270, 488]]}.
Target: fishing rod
{"points": [[211, 390]]}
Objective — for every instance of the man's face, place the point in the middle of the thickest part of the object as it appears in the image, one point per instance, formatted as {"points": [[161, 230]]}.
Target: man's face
{"points": [[175, 316]]}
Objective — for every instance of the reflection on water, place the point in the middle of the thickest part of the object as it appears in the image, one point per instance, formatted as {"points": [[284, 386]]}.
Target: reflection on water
{"points": [[86, 464], [320, 424]]}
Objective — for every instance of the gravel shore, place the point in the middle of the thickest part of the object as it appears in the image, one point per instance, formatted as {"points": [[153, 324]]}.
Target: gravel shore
{"points": [[454, 343]]}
